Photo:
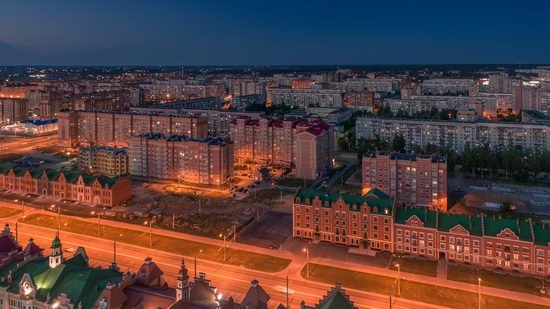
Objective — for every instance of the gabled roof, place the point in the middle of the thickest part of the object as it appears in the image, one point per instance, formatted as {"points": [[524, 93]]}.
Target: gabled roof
{"points": [[472, 224], [336, 298], [494, 226], [428, 217], [256, 297], [53, 175], [378, 201], [542, 234]]}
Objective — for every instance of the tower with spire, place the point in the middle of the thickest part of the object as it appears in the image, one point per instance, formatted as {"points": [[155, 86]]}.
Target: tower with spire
{"points": [[182, 283], [56, 254]]}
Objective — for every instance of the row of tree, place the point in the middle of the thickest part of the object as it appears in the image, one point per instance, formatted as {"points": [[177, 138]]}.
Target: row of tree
{"points": [[479, 161]]}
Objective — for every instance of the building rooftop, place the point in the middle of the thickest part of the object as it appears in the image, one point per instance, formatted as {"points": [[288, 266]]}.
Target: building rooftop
{"points": [[407, 156], [208, 140], [378, 201]]}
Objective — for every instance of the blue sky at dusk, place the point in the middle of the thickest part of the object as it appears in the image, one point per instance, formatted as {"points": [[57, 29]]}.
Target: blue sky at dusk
{"points": [[273, 32]]}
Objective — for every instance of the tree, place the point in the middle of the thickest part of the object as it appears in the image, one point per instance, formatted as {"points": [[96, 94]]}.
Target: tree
{"points": [[399, 143]]}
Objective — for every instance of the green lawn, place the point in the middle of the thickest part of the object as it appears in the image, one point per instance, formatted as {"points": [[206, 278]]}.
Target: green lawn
{"points": [[410, 290], [415, 266], [6, 212], [502, 281], [173, 245]]}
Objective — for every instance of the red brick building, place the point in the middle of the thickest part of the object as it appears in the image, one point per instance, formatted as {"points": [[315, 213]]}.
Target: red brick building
{"points": [[413, 180], [65, 185], [377, 222]]}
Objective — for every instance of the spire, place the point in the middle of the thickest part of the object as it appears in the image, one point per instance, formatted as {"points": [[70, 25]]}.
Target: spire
{"points": [[182, 283], [56, 254], [56, 243]]}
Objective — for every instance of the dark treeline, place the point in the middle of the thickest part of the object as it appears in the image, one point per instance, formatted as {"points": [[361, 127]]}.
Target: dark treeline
{"points": [[478, 161]]}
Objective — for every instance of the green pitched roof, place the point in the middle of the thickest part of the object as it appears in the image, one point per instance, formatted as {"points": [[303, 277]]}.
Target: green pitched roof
{"points": [[494, 225], [81, 283], [448, 221], [542, 234], [428, 217], [379, 202], [5, 167], [70, 176]]}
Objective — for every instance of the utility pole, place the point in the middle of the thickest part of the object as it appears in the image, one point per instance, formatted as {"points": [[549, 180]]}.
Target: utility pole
{"points": [[114, 251], [151, 233], [173, 221], [16, 231]]}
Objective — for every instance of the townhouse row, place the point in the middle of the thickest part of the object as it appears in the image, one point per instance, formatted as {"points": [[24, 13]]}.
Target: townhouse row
{"points": [[376, 221]]}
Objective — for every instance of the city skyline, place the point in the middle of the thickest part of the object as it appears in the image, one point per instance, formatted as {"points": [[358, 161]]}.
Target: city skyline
{"points": [[248, 33]]}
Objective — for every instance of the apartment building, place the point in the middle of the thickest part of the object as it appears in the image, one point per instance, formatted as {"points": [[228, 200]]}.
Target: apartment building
{"points": [[280, 142], [13, 110], [103, 160], [176, 157], [456, 134], [65, 185], [313, 96], [115, 128], [485, 104], [377, 222], [446, 85], [413, 180], [314, 149]]}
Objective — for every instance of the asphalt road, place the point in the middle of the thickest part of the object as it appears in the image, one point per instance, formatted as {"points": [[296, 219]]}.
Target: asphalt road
{"points": [[230, 280]]}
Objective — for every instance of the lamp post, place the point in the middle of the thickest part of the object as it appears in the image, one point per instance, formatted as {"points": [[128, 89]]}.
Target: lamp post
{"points": [[306, 250], [224, 256], [398, 279], [150, 222], [479, 293], [22, 207], [98, 222], [200, 251]]}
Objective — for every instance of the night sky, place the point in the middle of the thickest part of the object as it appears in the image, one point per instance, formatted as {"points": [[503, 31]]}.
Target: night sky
{"points": [[232, 32]]}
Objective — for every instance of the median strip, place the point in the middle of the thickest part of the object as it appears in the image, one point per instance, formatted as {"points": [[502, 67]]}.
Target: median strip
{"points": [[251, 260]]}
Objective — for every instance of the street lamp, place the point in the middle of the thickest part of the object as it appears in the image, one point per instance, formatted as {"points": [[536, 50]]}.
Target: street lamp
{"points": [[306, 250], [200, 251], [150, 222], [22, 206], [398, 279], [479, 293], [98, 222], [224, 256]]}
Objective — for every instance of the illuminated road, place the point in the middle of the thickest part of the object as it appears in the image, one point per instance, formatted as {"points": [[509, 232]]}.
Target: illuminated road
{"points": [[230, 280], [25, 144]]}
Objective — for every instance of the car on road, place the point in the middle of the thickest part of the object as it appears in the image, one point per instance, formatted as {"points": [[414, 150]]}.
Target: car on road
{"points": [[71, 250]]}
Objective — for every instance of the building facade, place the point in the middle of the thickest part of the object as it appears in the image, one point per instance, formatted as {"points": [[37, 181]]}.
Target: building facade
{"points": [[375, 221], [456, 134], [13, 110], [306, 97], [281, 142], [103, 160], [413, 180], [65, 185], [201, 161], [116, 128]]}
